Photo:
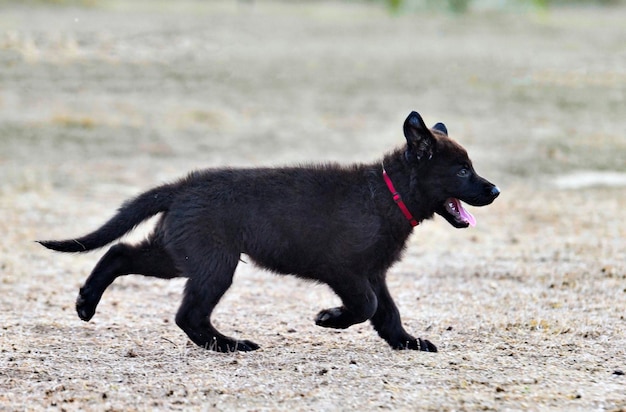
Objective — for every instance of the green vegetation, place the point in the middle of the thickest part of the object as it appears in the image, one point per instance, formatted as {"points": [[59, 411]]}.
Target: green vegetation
{"points": [[462, 6], [454, 6]]}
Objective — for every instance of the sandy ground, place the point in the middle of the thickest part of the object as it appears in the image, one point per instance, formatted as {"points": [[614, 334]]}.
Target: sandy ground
{"points": [[527, 309]]}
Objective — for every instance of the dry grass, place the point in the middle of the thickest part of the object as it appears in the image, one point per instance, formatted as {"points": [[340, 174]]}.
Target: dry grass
{"points": [[527, 309]]}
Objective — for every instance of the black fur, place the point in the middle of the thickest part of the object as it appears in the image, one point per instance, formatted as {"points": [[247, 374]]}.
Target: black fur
{"points": [[331, 224]]}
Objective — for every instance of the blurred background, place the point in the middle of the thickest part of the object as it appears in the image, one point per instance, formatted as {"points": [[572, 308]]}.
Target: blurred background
{"points": [[102, 99], [532, 88]]}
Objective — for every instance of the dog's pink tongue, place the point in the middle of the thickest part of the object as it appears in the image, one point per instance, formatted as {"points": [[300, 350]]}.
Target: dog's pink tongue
{"points": [[465, 215]]}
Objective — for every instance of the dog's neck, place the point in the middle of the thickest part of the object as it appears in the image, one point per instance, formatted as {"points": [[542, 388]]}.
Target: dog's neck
{"points": [[398, 199], [404, 174]]}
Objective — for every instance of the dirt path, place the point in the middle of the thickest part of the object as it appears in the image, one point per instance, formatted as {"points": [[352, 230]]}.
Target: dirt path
{"points": [[527, 308]]}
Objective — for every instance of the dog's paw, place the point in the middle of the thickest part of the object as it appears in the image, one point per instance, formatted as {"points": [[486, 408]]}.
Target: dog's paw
{"points": [[228, 345], [415, 344], [331, 318], [246, 346], [84, 307]]}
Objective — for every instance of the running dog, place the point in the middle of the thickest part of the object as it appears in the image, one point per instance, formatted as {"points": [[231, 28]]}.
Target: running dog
{"points": [[339, 225]]}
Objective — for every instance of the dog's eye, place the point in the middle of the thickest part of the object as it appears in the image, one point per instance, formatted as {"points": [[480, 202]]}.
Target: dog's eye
{"points": [[463, 173]]}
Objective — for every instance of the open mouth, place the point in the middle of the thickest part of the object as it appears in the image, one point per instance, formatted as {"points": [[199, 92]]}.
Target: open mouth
{"points": [[456, 210]]}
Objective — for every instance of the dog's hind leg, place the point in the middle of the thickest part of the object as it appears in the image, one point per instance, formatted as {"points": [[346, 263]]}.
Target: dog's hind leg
{"points": [[210, 275], [387, 323], [148, 258], [359, 303]]}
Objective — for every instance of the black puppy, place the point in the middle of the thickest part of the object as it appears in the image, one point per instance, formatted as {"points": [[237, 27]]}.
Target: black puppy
{"points": [[343, 226]]}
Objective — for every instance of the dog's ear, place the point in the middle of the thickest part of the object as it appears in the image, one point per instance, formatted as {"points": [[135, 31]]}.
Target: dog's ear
{"points": [[419, 139], [440, 127]]}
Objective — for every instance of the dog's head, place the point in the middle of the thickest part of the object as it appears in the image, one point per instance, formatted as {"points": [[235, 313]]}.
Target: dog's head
{"points": [[446, 171]]}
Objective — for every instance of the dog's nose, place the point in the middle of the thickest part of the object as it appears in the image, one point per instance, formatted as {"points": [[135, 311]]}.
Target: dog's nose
{"points": [[495, 191]]}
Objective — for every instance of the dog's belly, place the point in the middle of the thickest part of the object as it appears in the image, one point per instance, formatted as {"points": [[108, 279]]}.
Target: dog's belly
{"points": [[317, 257]]}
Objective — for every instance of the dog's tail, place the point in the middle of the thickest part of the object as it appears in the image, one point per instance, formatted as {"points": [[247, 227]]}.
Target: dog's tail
{"points": [[129, 215]]}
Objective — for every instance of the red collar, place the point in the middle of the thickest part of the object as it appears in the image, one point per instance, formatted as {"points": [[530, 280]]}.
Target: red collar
{"points": [[398, 199]]}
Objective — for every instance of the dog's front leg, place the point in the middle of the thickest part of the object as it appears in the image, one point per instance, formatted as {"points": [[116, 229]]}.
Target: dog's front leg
{"points": [[359, 303], [388, 324]]}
